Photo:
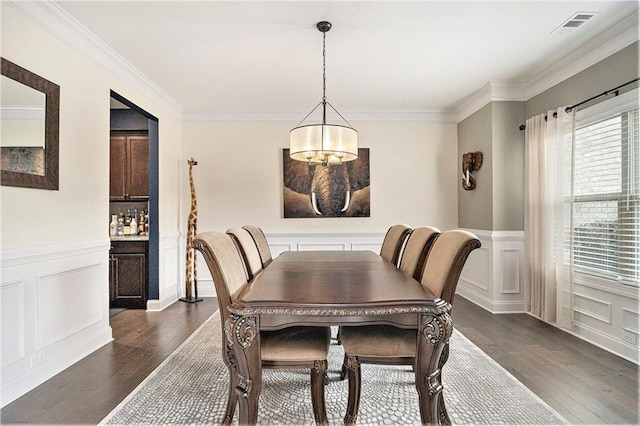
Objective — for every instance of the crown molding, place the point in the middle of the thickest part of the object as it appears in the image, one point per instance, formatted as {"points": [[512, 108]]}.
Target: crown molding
{"points": [[617, 37], [491, 92], [294, 115], [57, 21], [54, 19]]}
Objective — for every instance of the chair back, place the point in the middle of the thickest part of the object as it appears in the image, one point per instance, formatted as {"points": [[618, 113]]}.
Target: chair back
{"points": [[393, 242], [416, 249], [261, 242], [248, 250], [225, 265], [445, 261]]}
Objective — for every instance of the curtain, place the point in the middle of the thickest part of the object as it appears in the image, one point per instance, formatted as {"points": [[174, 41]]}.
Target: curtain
{"points": [[548, 169]]}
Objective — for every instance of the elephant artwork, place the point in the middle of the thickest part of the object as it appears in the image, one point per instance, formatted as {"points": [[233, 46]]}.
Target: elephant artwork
{"points": [[471, 162], [334, 190]]}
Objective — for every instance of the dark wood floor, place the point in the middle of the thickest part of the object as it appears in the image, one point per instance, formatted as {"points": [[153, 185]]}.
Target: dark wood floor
{"points": [[583, 383]]}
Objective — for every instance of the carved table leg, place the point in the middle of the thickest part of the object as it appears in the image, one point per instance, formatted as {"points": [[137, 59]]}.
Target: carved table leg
{"points": [[434, 332], [442, 408], [232, 397], [244, 339]]}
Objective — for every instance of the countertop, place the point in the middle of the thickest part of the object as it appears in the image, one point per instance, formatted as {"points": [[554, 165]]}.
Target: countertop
{"points": [[129, 237]]}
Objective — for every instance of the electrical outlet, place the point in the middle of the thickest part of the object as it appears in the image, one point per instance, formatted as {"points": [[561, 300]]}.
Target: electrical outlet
{"points": [[38, 358], [629, 337]]}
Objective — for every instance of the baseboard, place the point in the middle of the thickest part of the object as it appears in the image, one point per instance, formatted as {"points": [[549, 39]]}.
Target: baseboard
{"points": [[606, 342], [159, 305]]}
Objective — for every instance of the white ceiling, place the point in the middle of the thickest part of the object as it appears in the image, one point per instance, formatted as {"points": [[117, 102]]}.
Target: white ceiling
{"points": [[381, 55]]}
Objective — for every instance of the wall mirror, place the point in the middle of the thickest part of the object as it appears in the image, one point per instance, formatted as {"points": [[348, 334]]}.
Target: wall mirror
{"points": [[29, 112]]}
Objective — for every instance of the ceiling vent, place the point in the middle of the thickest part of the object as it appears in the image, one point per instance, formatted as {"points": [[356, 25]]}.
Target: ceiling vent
{"points": [[576, 21]]}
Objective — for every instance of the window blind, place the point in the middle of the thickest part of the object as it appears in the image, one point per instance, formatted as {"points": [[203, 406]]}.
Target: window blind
{"points": [[605, 224]]}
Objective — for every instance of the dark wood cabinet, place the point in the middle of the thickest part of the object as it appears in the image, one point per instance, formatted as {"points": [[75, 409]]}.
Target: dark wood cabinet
{"points": [[128, 274], [129, 168]]}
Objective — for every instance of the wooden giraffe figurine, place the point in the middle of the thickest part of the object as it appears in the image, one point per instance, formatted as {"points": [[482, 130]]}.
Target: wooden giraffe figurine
{"points": [[191, 272]]}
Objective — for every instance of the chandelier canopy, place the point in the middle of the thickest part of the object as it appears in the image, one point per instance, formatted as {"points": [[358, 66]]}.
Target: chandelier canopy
{"points": [[323, 143]]}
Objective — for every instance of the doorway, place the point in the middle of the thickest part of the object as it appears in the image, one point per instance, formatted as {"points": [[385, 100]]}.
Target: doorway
{"points": [[127, 119]]}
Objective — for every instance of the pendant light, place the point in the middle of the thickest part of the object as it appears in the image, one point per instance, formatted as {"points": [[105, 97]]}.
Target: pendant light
{"points": [[323, 143]]}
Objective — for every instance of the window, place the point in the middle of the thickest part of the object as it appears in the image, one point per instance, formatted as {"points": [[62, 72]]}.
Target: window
{"points": [[605, 223]]}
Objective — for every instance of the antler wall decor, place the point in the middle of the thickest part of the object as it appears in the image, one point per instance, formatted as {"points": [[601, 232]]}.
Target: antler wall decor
{"points": [[471, 161]]}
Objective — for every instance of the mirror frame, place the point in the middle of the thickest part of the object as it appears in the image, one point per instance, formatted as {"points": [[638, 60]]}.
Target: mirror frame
{"points": [[50, 180]]}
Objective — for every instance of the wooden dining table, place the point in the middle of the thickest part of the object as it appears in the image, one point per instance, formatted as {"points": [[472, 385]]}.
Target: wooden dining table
{"points": [[333, 288]]}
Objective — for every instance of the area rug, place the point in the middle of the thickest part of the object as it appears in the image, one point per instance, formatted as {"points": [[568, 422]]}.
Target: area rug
{"points": [[190, 387]]}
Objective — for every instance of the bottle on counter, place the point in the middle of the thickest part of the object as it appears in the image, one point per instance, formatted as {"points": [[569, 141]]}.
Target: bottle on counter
{"points": [[141, 223], [133, 226], [120, 227], [113, 226]]}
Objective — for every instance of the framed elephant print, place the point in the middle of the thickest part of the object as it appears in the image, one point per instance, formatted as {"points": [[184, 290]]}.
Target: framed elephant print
{"points": [[334, 190]]}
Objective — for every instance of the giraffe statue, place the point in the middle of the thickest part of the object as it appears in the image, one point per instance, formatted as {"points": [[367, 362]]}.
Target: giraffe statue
{"points": [[191, 272]]}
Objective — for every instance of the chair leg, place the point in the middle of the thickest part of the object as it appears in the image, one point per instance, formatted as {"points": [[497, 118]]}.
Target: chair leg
{"points": [[232, 398], [353, 372], [343, 371], [318, 375]]}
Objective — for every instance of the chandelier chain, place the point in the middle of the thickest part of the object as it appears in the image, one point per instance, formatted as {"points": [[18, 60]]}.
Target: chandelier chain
{"points": [[324, 68]]}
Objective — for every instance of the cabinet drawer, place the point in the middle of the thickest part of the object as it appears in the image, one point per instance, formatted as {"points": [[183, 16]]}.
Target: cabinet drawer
{"points": [[124, 247]]}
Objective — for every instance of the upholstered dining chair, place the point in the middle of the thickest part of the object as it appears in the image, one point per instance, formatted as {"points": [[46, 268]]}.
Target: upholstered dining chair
{"points": [[289, 348], [412, 261], [393, 242], [261, 242], [416, 249], [248, 250], [395, 346]]}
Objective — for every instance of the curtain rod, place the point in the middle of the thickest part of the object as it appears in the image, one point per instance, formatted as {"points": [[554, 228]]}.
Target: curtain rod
{"points": [[605, 93]]}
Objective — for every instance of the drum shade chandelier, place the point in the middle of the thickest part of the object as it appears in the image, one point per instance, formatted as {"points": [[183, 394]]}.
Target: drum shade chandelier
{"points": [[323, 143]]}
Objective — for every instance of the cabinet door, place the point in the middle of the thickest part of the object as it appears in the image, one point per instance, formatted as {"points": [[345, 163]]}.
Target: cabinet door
{"points": [[138, 167], [117, 159], [129, 281]]}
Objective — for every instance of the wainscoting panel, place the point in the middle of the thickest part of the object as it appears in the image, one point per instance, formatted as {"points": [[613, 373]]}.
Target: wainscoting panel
{"points": [[476, 270], [55, 320], [12, 304], [630, 321], [55, 311], [321, 246], [590, 307], [606, 314], [172, 259], [511, 271], [277, 249], [329, 241], [493, 276]]}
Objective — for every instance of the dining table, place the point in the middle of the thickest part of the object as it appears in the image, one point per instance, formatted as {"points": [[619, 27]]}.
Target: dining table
{"points": [[337, 288]]}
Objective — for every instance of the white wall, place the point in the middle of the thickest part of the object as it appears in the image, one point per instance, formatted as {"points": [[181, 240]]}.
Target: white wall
{"points": [[238, 178], [54, 244]]}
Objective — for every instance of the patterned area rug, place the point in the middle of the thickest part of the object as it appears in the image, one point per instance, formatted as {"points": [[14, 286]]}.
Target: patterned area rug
{"points": [[190, 388]]}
